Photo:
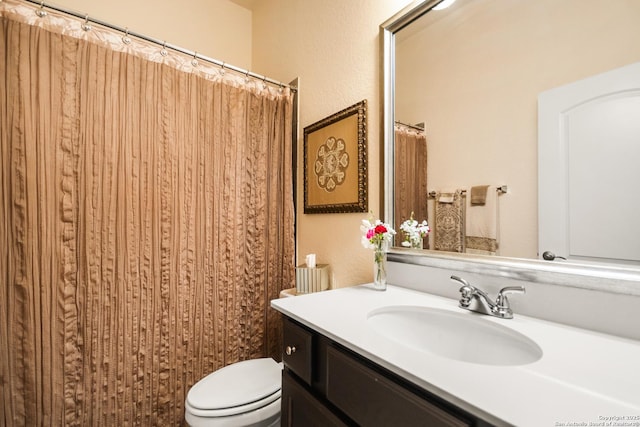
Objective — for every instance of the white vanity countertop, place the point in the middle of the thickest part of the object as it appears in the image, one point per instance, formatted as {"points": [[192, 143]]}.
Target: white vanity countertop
{"points": [[584, 378]]}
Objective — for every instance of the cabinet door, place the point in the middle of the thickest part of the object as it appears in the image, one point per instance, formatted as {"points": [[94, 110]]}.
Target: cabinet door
{"points": [[372, 399], [301, 409], [298, 349]]}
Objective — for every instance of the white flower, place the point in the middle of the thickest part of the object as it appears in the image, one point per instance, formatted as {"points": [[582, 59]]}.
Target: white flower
{"points": [[414, 231]]}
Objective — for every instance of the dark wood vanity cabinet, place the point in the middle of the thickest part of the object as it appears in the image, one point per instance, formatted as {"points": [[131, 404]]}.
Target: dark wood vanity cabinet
{"points": [[325, 384]]}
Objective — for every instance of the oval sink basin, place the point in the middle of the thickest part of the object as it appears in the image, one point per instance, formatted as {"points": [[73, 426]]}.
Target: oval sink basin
{"points": [[465, 337]]}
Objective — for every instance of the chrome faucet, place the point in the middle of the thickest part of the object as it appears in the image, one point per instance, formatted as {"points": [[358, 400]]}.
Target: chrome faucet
{"points": [[474, 299]]}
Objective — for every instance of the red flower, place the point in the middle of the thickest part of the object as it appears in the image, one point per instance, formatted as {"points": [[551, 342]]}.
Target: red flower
{"points": [[380, 229]]}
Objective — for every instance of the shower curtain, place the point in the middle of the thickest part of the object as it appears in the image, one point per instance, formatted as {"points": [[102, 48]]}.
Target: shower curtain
{"points": [[410, 177], [146, 222]]}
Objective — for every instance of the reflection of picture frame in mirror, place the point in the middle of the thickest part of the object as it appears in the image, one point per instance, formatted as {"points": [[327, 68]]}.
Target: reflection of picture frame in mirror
{"points": [[335, 162]]}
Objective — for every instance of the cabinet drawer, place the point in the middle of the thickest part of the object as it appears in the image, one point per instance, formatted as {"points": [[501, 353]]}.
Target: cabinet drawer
{"points": [[298, 349], [372, 399]]}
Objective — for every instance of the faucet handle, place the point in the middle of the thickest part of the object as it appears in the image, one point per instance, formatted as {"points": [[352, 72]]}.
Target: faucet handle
{"points": [[511, 290], [460, 280], [503, 309], [466, 291]]}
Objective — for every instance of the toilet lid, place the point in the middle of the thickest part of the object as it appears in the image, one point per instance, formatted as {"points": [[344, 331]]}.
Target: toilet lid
{"points": [[237, 384]]}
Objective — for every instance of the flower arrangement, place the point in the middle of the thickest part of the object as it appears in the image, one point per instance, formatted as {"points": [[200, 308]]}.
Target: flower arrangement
{"points": [[377, 235], [414, 232]]}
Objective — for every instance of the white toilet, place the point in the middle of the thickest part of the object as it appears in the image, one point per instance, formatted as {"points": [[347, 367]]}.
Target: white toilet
{"points": [[241, 394]]}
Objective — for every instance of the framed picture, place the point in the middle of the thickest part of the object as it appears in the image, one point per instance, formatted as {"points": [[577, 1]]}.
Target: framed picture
{"points": [[335, 162]]}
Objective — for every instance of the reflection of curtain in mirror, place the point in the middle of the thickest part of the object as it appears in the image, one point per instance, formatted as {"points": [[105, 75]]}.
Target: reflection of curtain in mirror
{"points": [[410, 176], [146, 221]]}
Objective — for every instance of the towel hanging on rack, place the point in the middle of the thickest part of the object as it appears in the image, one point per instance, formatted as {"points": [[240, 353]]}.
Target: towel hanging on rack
{"points": [[449, 229], [478, 195], [482, 221]]}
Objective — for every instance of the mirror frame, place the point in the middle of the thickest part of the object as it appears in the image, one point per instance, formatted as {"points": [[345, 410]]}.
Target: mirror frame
{"points": [[613, 279]]}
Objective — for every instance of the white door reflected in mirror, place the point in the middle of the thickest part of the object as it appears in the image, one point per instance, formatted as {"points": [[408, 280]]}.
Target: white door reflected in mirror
{"points": [[588, 131]]}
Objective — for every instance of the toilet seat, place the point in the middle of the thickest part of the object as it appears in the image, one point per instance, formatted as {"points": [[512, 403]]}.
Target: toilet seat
{"points": [[235, 410], [236, 389]]}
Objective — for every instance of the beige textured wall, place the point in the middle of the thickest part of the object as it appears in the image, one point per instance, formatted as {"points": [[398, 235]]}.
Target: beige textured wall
{"points": [[218, 29], [334, 47]]}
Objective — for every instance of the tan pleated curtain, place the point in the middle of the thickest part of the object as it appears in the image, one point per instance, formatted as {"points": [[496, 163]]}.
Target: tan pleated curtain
{"points": [[146, 223], [410, 176]]}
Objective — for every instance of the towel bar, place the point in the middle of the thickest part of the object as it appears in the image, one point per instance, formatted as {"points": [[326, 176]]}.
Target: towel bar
{"points": [[432, 193], [501, 190]]}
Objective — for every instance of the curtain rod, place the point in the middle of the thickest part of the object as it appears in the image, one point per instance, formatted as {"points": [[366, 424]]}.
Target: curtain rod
{"points": [[223, 65], [409, 126]]}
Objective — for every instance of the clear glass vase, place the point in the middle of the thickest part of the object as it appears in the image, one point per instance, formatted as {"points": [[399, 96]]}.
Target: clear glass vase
{"points": [[417, 243], [380, 268]]}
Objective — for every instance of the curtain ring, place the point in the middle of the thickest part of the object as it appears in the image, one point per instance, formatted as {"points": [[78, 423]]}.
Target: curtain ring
{"points": [[194, 61], [264, 82], [163, 51], [41, 12], [86, 26], [126, 39], [281, 88], [246, 76], [222, 69]]}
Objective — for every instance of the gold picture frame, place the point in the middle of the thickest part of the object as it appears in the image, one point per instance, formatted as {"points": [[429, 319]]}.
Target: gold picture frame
{"points": [[335, 162]]}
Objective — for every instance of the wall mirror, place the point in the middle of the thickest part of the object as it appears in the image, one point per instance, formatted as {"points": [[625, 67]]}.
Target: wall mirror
{"points": [[472, 74]]}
